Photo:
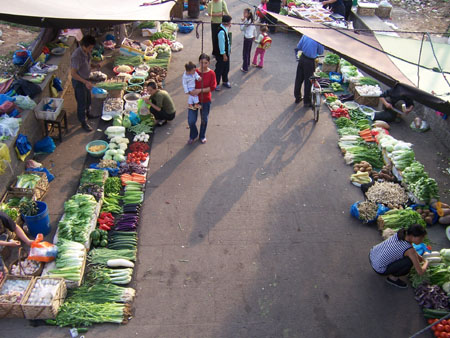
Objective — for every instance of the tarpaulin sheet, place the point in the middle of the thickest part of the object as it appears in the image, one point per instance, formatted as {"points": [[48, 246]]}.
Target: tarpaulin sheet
{"points": [[425, 79], [83, 13], [358, 49]]}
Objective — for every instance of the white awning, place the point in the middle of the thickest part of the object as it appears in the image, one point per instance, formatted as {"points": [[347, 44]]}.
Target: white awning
{"points": [[84, 13]]}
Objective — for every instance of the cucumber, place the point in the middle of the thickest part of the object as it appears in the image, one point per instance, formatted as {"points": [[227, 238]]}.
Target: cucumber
{"points": [[433, 313]]}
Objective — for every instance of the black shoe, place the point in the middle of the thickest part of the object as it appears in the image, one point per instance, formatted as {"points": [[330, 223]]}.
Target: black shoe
{"points": [[91, 116], [160, 123], [307, 104], [298, 99], [86, 127], [398, 283]]}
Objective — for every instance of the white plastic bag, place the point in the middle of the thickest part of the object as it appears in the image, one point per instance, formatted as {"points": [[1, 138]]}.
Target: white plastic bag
{"points": [[24, 102], [9, 126]]}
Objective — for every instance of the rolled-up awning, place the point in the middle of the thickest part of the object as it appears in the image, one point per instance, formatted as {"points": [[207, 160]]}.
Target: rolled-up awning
{"points": [[84, 13], [365, 52]]}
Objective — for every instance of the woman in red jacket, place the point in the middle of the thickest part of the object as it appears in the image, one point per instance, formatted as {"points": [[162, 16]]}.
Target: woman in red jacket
{"points": [[203, 89]]}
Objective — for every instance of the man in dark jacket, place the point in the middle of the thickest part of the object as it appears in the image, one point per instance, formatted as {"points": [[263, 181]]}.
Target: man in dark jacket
{"points": [[222, 51]]}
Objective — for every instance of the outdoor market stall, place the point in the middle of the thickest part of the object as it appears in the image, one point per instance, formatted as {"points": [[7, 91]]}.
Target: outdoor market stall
{"points": [[97, 236], [398, 192]]}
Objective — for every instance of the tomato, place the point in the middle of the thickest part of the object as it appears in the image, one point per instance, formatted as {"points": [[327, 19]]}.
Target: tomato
{"points": [[444, 335], [444, 322], [440, 327]]}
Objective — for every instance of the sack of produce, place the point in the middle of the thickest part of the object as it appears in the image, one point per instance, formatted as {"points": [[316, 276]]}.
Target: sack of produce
{"points": [[367, 211]]}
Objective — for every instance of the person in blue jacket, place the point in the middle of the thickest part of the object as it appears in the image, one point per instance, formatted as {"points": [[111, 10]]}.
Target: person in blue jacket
{"points": [[310, 49]]}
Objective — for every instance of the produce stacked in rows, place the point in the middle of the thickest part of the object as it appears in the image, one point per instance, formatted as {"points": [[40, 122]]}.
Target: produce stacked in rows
{"points": [[69, 261], [78, 217]]}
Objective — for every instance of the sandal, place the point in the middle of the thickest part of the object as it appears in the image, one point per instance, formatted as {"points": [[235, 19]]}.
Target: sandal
{"points": [[203, 140]]}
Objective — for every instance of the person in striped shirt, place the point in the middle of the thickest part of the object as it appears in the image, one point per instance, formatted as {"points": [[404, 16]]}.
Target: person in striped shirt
{"points": [[395, 256]]}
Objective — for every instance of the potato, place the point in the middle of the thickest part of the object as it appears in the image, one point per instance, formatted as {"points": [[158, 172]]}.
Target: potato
{"points": [[444, 220], [446, 211], [420, 211]]}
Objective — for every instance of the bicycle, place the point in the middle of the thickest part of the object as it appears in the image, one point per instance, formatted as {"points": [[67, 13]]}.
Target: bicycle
{"points": [[316, 96]]}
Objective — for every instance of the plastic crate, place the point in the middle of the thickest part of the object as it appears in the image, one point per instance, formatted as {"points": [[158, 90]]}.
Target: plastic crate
{"points": [[128, 51], [41, 114]]}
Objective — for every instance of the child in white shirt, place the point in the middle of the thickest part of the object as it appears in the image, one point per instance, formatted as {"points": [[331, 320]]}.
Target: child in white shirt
{"points": [[189, 78]]}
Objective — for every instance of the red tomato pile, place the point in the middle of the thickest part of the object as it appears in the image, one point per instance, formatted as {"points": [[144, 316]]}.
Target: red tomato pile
{"points": [[136, 157], [139, 146], [441, 330]]}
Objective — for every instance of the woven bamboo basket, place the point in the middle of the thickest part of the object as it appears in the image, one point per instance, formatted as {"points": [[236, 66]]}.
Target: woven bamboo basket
{"points": [[371, 101], [21, 258], [326, 68], [13, 310], [39, 190], [383, 12], [365, 11], [50, 311]]}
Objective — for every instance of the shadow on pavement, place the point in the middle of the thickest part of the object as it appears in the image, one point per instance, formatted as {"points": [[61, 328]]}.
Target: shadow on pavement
{"points": [[284, 137]]}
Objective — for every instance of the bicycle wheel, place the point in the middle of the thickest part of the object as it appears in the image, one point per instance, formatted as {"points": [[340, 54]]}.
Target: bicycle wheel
{"points": [[314, 105], [317, 104]]}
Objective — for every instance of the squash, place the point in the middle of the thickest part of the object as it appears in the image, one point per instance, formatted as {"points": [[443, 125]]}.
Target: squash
{"points": [[381, 124]]}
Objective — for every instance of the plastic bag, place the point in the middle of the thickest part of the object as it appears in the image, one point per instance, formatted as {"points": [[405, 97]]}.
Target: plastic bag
{"points": [[9, 126], [50, 177], [42, 251], [5, 158], [23, 147], [142, 107], [419, 125], [354, 211], [22, 144], [111, 171], [31, 164], [21, 56], [134, 118], [7, 107], [4, 98], [97, 90], [46, 145], [25, 102], [421, 248]]}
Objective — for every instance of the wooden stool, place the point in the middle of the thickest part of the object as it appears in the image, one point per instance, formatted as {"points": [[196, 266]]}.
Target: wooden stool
{"points": [[60, 123]]}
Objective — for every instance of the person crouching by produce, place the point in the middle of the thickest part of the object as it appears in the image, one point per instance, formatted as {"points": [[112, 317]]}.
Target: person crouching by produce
{"points": [[6, 223], [394, 102], [395, 256], [81, 69], [161, 104]]}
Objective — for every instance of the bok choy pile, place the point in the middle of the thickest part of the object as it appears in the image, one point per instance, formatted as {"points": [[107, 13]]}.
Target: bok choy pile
{"points": [[69, 261]]}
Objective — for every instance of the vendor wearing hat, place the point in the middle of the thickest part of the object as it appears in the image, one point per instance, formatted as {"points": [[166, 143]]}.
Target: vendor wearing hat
{"points": [[7, 225]]}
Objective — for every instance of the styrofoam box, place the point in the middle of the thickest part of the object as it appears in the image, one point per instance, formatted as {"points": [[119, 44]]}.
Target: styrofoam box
{"points": [[48, 115]]}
